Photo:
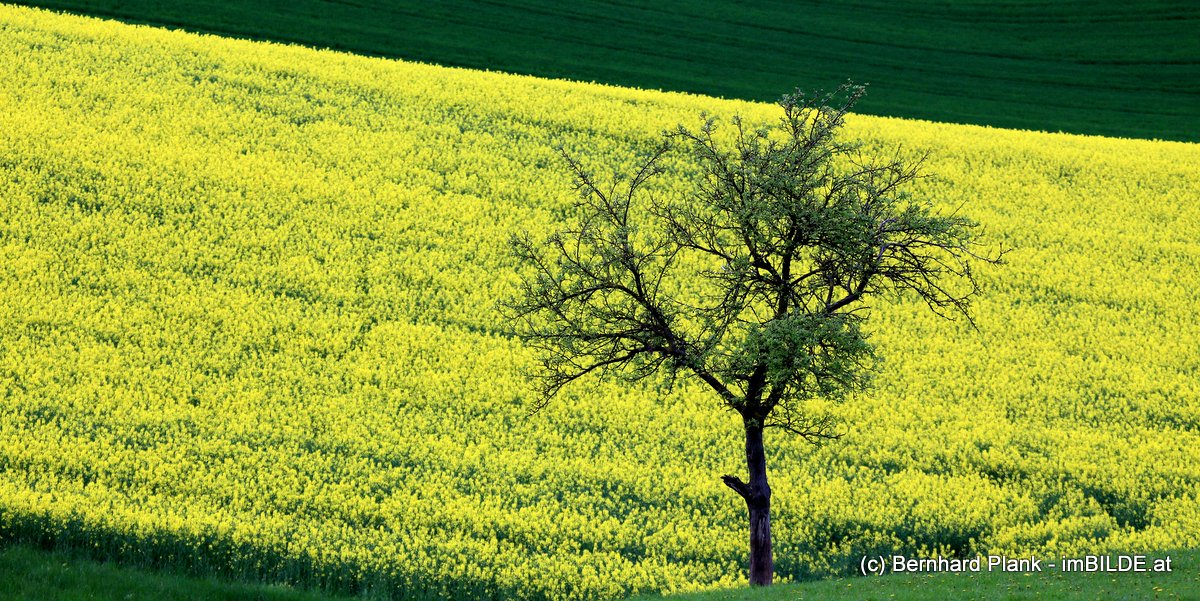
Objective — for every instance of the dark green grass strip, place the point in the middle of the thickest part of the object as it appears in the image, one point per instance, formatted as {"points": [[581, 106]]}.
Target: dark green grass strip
{"points": [[1182, 583], [1113, 68], [29, 574]]}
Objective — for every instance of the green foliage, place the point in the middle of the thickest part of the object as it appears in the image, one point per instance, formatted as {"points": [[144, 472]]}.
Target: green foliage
{"points": [[822, 356]]}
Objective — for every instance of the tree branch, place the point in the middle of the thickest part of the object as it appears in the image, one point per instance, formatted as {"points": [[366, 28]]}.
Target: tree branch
{"points": [[737, 485]]}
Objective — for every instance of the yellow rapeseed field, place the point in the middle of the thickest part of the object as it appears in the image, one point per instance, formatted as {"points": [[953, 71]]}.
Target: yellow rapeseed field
{"points": [[248, 325]]}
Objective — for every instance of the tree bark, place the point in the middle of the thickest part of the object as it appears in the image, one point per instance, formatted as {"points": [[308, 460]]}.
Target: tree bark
{"points": [[761, 559], [757, 494], [759, 503]]}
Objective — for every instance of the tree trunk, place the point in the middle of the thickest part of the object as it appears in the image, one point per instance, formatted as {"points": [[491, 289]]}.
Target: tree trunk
{"points": [[761, 558], [757, 494], [762, 564]]}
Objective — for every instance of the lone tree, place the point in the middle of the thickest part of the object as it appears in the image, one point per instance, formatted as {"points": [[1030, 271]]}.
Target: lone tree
{"points": [[789, 230]]}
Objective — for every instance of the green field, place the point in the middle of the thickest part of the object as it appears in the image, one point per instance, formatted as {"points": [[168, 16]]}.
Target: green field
{"points": [[1129, 69], [30, 574]]}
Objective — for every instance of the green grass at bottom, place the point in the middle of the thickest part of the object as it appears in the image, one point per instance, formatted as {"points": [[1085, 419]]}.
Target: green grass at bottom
{"points": [[1181, 583], [29, 574]]}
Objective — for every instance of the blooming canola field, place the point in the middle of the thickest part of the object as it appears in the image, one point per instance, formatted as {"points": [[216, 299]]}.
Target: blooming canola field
{"points": [[248, 326]]}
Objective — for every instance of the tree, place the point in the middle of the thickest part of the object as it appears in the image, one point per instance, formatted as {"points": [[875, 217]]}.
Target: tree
{"points": [[788, 231]]}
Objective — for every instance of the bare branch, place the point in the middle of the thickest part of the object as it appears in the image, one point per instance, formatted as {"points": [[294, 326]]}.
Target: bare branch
{"points": [[737, 485]]}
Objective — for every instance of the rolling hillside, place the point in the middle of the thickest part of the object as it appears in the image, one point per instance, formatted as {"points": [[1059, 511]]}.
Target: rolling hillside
{"points": [[248, 328], [1128, 69]]}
